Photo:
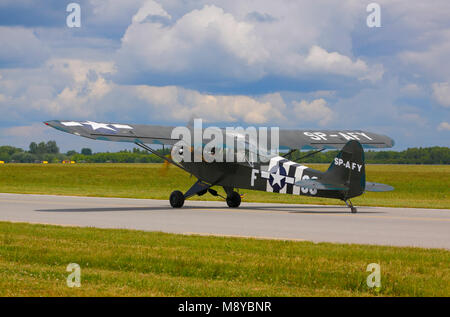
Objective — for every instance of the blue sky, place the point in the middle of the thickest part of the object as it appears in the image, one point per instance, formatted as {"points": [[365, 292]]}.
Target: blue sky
{"points": [[295, 64]]}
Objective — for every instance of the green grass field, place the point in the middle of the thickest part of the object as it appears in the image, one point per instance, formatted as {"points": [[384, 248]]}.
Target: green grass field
{"points": [[33, 258], [425, 186], [33, 261]]}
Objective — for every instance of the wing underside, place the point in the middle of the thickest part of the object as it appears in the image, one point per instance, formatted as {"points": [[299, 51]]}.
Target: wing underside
{"points": [[331, 139]]}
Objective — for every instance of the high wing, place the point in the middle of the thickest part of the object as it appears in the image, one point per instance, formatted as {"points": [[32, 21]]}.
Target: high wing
{"points": [[134, 133], [155, 134]]}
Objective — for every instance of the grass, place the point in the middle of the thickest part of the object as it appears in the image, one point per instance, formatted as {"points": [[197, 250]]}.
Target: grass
{"points": [[33, 261], [421, 186]]}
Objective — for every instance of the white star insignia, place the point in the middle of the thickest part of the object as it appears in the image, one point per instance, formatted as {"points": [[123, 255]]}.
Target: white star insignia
{"points": [[96, 125], [277, 178]]}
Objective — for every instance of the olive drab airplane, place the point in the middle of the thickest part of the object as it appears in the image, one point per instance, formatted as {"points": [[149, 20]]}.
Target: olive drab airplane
{"points": [[271, 172]]}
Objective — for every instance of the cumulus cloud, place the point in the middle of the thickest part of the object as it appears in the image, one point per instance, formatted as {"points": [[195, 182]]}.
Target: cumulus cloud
{"points": [[202, 41], [181, 104], [314, 111], [213, 43], [335, 63], [431, 61], [86, 84], [441, 93], [444, 126], [35, 130], [70, 88], [415, 118], [82, 89], [21, 48], [150, 8], [412, 90], [312, 63]]}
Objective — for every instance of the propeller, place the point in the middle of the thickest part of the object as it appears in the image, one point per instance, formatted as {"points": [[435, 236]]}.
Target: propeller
{"points": [[166, 164], [165, 167]]}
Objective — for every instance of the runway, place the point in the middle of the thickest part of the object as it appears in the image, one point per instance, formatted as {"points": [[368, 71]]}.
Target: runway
{"points": [[428, 228]]}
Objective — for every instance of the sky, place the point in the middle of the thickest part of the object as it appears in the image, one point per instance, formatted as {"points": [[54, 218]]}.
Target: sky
{"points": [[292, 64]]}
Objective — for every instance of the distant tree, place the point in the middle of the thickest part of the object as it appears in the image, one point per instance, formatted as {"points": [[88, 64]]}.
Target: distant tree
{"points": [[86, 151], [41, 148], [51, 147], [33, 147], [9, 149], [71, 153], [23, 157]]}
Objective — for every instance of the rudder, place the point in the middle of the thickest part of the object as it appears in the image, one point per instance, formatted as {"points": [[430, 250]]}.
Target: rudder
{"points": [[348, 168]]}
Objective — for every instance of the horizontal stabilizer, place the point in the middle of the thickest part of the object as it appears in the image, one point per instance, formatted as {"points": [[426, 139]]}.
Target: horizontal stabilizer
{"points": [[315, 184], [377, 187]]}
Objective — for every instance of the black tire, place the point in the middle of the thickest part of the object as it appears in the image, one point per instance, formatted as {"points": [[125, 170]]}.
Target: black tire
{"points": [[176, 199], [234, 200], [354, 210]]}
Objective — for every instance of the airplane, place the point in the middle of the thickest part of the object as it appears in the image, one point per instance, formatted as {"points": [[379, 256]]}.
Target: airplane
{"points": [[344, 179]]}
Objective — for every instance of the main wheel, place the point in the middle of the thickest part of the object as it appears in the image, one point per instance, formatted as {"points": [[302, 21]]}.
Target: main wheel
{"points": [[234, 200], [176, 199], [354, 210]]}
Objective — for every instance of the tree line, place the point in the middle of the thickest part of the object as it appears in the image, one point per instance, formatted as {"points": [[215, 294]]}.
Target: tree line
{"points": [[49, 152], [428, 155]]}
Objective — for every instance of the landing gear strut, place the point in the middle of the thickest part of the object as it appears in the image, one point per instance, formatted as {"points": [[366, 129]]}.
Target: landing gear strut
{"points": [[350, 205], [200, 188], [177, 198]]}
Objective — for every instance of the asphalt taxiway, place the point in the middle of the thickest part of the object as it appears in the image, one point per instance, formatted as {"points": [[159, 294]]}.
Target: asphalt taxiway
{"points": [[429, 228]]}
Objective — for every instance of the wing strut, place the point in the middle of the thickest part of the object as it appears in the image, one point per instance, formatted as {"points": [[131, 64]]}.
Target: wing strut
{"points": [[288, 154], [145, 147]]}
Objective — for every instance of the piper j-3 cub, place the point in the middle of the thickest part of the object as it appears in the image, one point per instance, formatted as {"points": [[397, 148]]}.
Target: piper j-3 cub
{"points": [[266, 171]]}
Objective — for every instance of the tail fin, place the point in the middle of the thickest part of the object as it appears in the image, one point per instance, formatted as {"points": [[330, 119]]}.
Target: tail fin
{"points": [[348, 168]]}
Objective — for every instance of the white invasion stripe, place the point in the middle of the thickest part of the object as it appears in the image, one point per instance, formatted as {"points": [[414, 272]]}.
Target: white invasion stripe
{"points": [[274, 161], [298, 176], [268, 187], [265, 174], [288, 180], [71, 124], [121, 126]]}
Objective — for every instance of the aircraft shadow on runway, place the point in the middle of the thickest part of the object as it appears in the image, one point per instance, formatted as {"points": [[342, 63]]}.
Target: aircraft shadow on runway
{"points": [[287, 209]]}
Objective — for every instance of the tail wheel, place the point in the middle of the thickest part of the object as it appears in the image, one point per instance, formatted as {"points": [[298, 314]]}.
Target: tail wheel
{"points": [[234, 200], [176, 199]]}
